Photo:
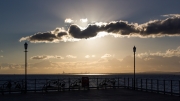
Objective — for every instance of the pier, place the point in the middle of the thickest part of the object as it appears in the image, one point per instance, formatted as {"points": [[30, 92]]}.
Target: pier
{"points": [[83, 89]]}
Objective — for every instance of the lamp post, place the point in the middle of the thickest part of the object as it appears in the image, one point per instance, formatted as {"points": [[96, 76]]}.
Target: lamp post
{"points": [[134, 50], [25, 47]]}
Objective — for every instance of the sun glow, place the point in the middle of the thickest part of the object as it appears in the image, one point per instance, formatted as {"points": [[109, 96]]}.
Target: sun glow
{"points": [[68, 20], [84, 20], [91, 74]]}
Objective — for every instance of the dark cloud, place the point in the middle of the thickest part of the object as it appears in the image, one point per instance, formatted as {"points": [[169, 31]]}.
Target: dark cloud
{"points": [[60, 34], [47, 36], [90, 31], [120, 27], [157, 28], [169, 26]]}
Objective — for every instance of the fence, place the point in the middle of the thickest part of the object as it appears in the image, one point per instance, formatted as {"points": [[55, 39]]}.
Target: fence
{"points": [[170, 87]]}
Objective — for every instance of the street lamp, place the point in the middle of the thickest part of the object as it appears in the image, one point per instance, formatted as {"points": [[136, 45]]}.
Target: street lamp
{"points": [[25, 47], [134, 50]]}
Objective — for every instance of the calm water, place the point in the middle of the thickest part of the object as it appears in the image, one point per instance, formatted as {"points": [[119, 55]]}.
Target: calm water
{"points": [[65, 76]]}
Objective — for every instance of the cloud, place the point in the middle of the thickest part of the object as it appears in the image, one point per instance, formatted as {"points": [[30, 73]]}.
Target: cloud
{"points": [[93, 56], [84, 20], [156, 28], [150, 63], [1, 56], [90, 31], [171, 15], [71, 56], [11, 66], [89, 56], [46, 64], [59, 34], [106, 56], [43, 57], [1, 51], [168, 53], [68, 20]]}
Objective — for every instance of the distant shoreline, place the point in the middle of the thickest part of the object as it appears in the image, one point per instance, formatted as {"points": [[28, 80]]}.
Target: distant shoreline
{"points": [[139, 73]]}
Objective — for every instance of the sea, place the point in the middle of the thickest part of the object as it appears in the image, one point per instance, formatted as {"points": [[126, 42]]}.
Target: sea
{"points": [[159, 76], [170, 82]]}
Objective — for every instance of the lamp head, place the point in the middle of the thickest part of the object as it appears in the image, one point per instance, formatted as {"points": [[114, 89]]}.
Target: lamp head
{"points": [[134, 49], [25, 45]]}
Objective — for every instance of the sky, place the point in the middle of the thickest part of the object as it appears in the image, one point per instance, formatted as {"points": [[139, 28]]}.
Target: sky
{"points": [[89, 36]]}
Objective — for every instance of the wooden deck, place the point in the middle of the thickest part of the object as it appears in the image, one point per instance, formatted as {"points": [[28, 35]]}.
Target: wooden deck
{"points": [[120, 94]]}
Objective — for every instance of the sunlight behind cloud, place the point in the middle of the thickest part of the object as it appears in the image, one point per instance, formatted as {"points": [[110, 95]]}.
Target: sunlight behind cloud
{"points": [[84, 20], [68, 20]]}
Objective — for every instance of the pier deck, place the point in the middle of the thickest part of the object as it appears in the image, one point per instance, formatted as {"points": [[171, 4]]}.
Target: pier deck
{"points": [[120, 94]]}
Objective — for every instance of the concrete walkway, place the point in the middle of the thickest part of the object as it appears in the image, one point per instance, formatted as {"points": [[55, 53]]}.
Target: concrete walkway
{"points": [[91, 95]]}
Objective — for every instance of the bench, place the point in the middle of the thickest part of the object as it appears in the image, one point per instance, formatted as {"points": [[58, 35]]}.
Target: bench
{"points": [[54, 85], [11, 86]]}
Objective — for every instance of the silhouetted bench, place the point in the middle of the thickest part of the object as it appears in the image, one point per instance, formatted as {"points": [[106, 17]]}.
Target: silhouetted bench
{"points": [[11, 86], [54, 85], [76, 84], [107, 83]]}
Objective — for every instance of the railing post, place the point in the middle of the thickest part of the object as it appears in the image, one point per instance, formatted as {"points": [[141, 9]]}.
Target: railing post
{"points": [[179, 88], [151, 85], [128, 83], [141, 84], [124, 83], [171, 88], [35, 84], [9, 88], [118, 82], [46, 85], [22, 86], [97, 84], [69, 84], [136, 81], [146, 85], [157, 86], [58, 84], [132, 83], [106, 83], [164, 87]]}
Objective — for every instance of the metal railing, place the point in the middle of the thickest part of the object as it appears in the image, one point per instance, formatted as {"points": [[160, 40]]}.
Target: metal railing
{"points": [[170, 87]]}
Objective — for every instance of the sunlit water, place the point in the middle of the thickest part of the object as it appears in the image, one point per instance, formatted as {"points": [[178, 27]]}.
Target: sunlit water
{"points": [[60, 76]]}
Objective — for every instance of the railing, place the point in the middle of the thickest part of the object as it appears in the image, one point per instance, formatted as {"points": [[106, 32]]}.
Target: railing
{"points": [[170, 87]]}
